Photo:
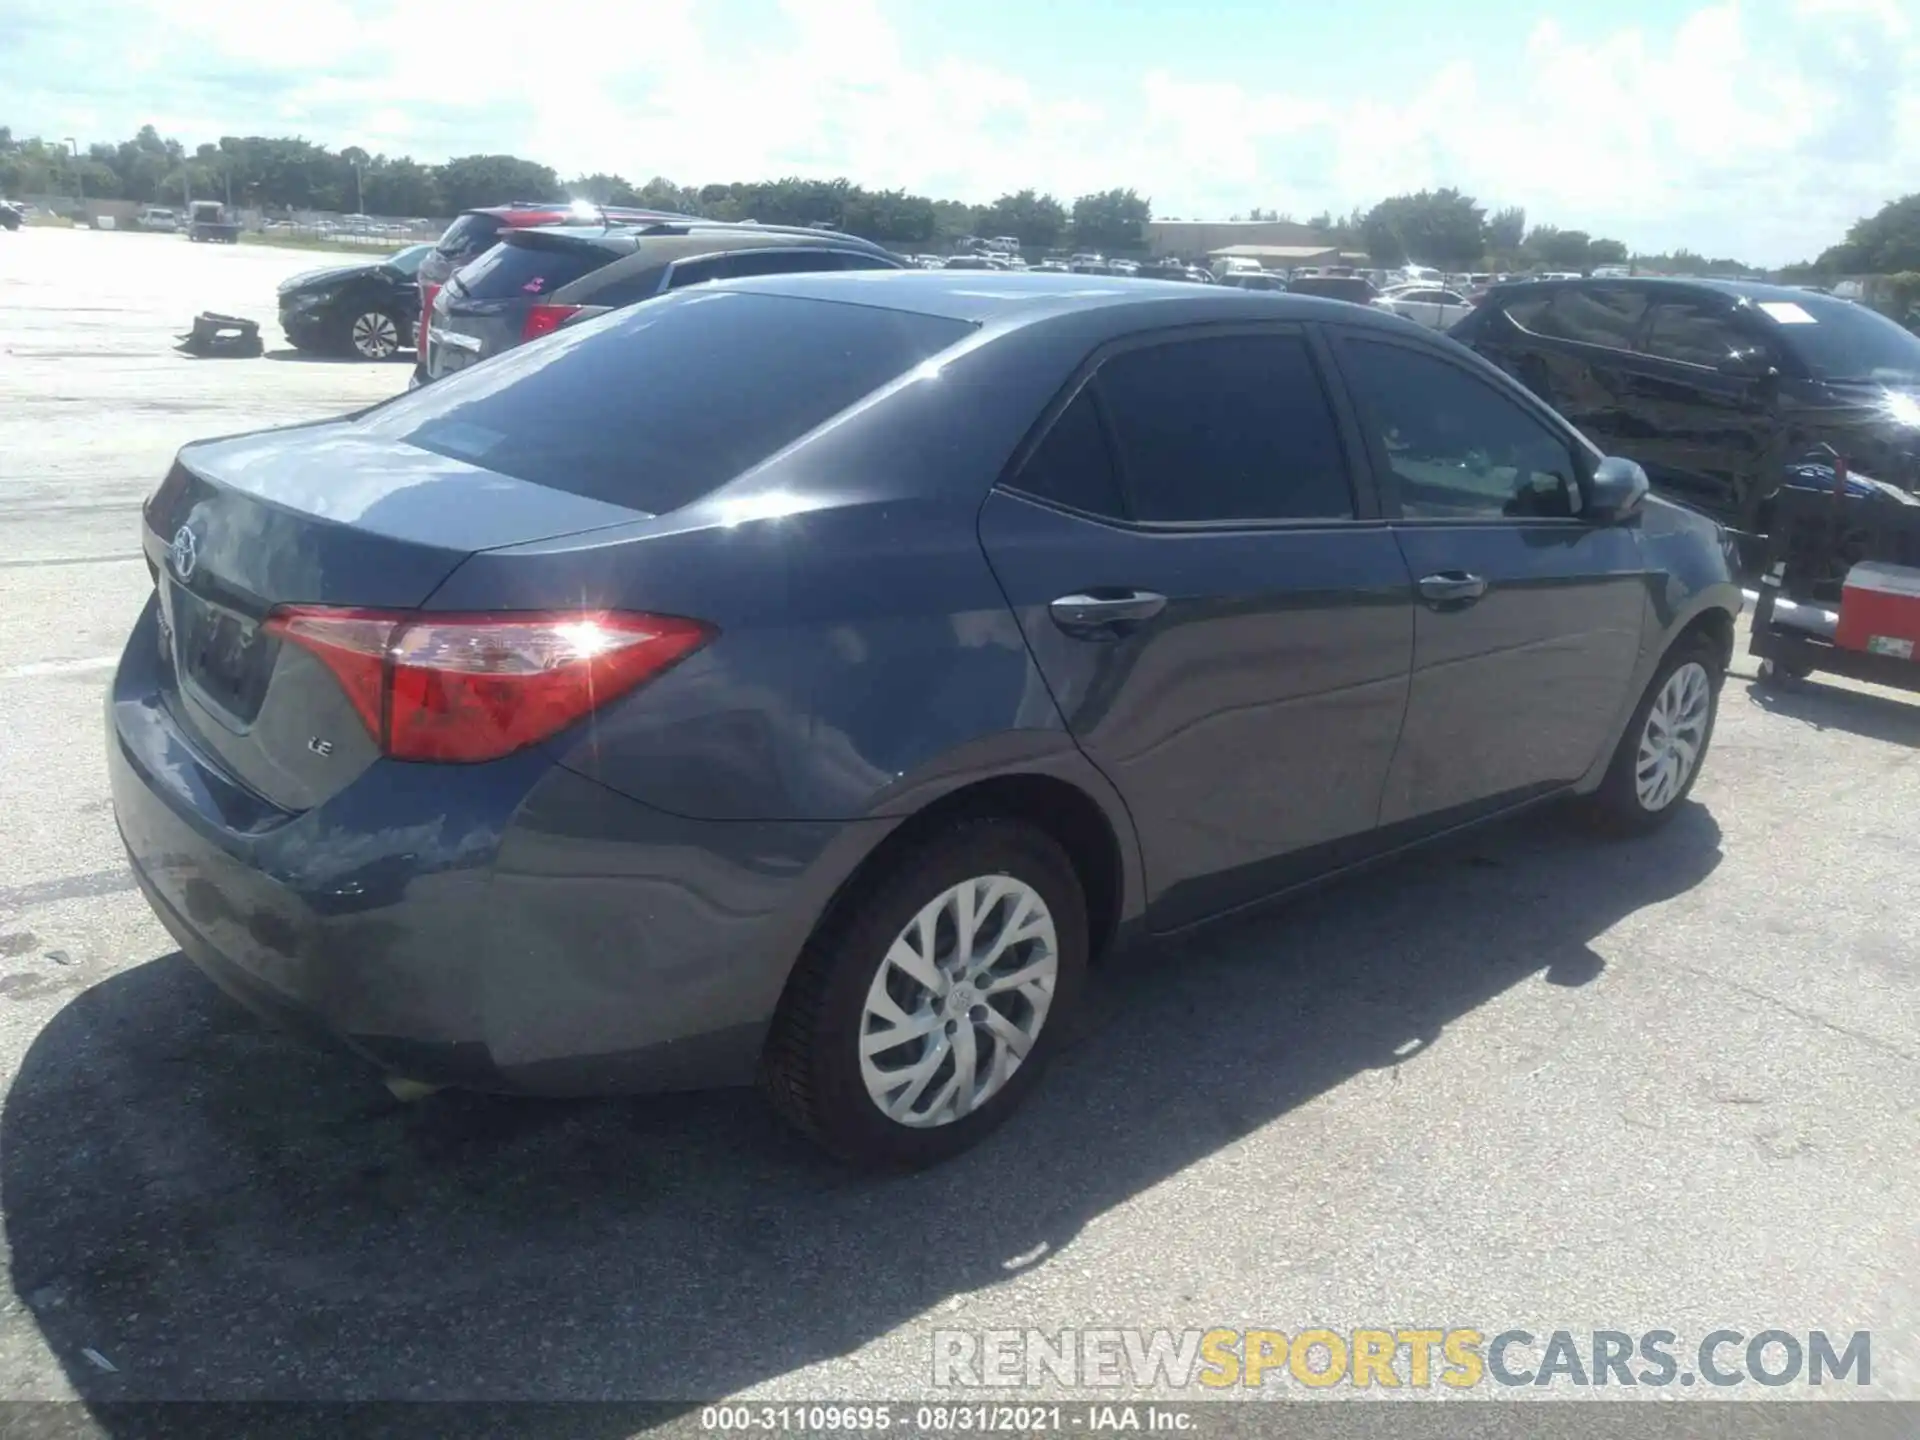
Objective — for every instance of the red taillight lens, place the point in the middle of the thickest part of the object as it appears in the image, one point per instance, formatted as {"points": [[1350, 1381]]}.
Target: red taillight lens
{"points": [[476, 687], [545, 319]]}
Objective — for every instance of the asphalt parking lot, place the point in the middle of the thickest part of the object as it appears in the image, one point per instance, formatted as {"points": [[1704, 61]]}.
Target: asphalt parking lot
{"points": [[1535, 1080]]}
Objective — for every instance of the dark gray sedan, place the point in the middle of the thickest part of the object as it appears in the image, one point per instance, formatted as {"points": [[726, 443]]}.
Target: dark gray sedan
{"points": [[810, 678]]}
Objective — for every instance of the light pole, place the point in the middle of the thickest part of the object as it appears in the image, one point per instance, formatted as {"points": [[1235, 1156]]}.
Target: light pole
{"points": [[79, 178], [359, 188]]}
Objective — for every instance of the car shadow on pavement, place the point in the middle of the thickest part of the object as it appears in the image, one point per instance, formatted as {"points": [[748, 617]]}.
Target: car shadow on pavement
{"points": [[222, 1213], [1837, 707], [318, 357]]}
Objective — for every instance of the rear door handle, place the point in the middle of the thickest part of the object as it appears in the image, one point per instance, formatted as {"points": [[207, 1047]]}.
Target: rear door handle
{"points": [[1100, 613], [1452, 587]]}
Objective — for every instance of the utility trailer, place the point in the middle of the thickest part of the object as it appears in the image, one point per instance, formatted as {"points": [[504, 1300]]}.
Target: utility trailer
{"points": [[1840, 584]]}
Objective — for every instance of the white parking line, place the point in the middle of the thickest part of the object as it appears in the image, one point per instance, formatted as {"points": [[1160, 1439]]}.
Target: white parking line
{"points": [[60, 667]]}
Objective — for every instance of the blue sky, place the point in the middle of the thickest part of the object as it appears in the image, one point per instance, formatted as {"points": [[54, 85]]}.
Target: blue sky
{"points": [[1759, 128]]}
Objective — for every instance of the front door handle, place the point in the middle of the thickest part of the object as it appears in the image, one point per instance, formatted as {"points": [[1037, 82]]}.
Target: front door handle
{"points": [[1452, 588], [1102, 613]]}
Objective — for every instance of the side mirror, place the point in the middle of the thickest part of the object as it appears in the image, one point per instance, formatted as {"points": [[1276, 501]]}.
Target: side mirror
{"points": [[1749, 365], [1616, 490]]}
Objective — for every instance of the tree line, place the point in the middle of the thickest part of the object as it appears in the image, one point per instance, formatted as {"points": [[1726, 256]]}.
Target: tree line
{"points": [[1441, 227]]}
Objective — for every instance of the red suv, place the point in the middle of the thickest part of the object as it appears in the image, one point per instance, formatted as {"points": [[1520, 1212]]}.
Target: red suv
{"points": [[473, 233]]}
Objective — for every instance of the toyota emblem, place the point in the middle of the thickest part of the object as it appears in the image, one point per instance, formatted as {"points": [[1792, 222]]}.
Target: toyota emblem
{"points": [[184, 552]]}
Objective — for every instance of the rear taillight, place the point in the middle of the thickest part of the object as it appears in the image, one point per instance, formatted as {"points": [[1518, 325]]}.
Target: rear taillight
{"points": [[545, 319], [476, 687], [427, 292]]}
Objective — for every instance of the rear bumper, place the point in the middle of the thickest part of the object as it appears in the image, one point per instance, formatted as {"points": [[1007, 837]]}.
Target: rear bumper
{"points": [[512, 927]]}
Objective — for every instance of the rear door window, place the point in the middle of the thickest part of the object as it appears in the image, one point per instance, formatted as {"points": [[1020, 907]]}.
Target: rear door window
{"points": [[1605, 315], [1224, 428], [1695, 332], [1529, 313], [528, 272], [653, 407], [1073, 465]]}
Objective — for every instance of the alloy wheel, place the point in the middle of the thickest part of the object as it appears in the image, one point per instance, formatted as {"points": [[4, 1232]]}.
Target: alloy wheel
{"points": [[1674, 735], [958, 1001], [375, 336]]}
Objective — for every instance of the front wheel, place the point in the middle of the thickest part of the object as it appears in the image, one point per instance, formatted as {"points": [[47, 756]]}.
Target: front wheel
{"points": [[1665, 743], [373, 335], [922, 1014]]}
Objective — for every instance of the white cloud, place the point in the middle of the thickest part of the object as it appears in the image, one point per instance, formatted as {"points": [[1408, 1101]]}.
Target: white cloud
{"points": [[1743, 128]]}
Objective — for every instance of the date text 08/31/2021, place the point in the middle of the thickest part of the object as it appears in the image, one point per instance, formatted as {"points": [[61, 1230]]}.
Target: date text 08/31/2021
{"points": [[944, 1418]]}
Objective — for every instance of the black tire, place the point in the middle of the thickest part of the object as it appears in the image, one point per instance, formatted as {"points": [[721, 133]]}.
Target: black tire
{"points": [[811, 1068], [345, 341], [1616, 806]]}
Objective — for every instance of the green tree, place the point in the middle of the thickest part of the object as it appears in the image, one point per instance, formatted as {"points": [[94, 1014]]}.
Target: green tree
{"points": [[475, 180], [1557, 249], [660, 193], [1506, 228], [1879, 244], [1037, 221], [889, 217], [1433, 227], [603, 189], [1111, 220], [403, 187], [1606, 252], [953, 219]]}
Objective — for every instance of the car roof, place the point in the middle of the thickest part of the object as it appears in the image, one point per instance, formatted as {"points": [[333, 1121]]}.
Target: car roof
{"points": [[527, 212], [1017, 297], [674, 240], [1754, 290]]}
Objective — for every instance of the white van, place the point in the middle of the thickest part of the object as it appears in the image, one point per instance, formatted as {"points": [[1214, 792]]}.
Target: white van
{"points": [[1236, 265]]}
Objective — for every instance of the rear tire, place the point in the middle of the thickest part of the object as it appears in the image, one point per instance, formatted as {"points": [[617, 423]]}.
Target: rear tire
{"points": [[1665, 743], [985, 1029]]}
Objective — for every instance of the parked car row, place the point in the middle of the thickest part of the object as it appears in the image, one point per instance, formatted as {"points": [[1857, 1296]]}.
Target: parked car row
{"points": [[1720, 389], [534, 281], [474, 232]]}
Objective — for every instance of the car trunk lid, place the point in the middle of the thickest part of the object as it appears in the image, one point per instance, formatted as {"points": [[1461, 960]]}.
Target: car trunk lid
{"points": [[312, 515]]}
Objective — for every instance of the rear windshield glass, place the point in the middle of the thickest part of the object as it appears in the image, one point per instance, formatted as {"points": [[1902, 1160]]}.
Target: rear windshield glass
{"points": [[1838, 340], [511, 270], [468, 235], [653, 407]]}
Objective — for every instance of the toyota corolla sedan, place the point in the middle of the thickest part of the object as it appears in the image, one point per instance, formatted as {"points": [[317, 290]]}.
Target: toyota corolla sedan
{"points": [[806, 679]]}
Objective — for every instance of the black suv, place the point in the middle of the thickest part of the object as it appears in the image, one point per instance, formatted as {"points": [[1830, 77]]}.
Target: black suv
{"points": [[1720, 389], [534, 281]]}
